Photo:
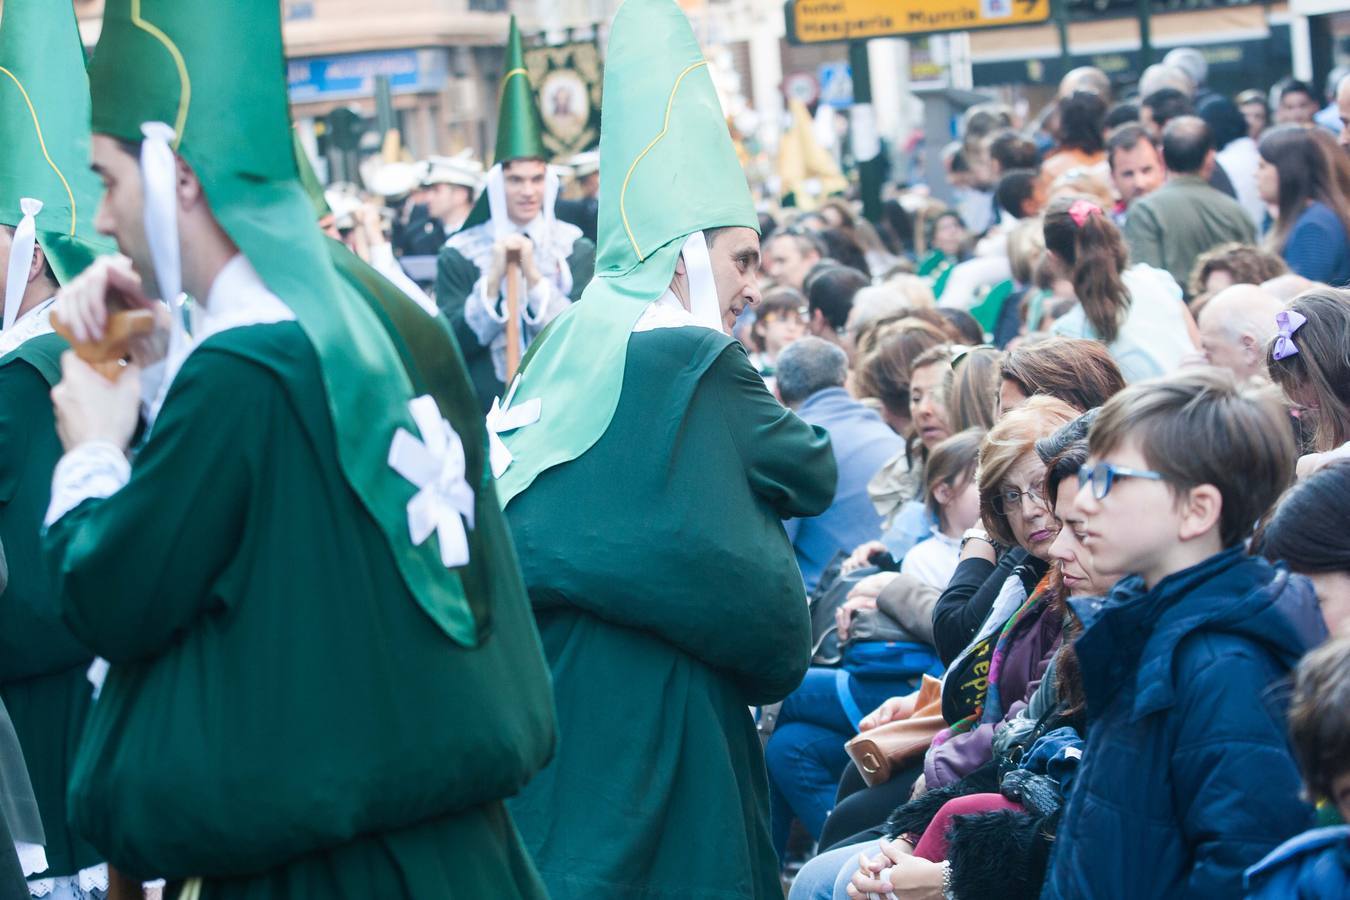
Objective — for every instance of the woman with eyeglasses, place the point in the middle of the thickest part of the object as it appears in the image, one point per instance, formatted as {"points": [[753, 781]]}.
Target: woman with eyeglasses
{"points": [[992, 846], [1017, 533], [1001, 568]]}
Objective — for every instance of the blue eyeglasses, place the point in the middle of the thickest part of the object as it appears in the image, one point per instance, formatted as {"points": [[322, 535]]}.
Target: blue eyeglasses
{"points": [[1103, 475]]}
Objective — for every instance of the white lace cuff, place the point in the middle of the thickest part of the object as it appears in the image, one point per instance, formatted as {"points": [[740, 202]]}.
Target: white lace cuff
{"points": [[94, 878], [93, 469], [538, 300], [32, 858]]}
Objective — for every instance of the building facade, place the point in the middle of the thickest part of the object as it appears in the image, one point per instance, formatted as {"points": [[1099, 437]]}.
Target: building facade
{"points": [[443, 59]]}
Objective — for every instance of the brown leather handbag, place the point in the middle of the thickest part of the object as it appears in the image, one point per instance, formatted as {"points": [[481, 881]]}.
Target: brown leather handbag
{"points": [[879, 751]]}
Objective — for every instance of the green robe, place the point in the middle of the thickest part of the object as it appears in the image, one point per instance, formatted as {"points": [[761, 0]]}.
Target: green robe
{"points": [[43, 667], [281, 717], [455, 278], [19, 818], [669, 601]]}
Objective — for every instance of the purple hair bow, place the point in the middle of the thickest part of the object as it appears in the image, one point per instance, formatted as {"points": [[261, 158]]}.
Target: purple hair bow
{"points": [[1288, 321]]}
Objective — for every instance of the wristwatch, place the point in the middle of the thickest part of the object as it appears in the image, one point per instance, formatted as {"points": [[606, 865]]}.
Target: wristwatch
{"points": [[976, 534]]}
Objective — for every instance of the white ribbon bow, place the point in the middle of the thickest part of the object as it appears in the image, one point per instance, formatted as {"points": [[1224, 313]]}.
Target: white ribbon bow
{"points": [[504, 417], [20, 260], [435, 464]]}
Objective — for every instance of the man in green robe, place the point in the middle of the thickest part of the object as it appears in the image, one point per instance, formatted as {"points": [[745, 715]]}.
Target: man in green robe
{"points": [[646, 470], [514, 213], [47, 201], [323, 676]]}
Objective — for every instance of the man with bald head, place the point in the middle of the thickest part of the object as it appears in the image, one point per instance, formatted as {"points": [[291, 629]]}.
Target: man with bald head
{"points": [[1086, 78], [1236, 327]]}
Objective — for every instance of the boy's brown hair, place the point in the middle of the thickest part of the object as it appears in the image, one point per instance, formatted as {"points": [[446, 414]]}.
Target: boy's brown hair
{"points": [[1319, 716], [1201, 427]]}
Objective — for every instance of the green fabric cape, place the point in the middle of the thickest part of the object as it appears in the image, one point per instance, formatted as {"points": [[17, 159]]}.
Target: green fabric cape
{"points": [[216, 74], [668, 169], [44, 114]]}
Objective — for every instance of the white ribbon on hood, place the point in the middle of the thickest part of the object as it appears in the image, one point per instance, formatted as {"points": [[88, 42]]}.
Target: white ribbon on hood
{"points": [[703, 303], [435, 464], [159, 175], [21, 250], [504, 417]]}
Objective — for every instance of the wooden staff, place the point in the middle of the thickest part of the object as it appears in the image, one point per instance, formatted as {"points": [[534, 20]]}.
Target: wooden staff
{"points": [[513, 278], [106, 355]]}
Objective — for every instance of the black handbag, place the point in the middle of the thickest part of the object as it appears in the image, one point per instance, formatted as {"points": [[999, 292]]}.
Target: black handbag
{"points": [[867, 625]]}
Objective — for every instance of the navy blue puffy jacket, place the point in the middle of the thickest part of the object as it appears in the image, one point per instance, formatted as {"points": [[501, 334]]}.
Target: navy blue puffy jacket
{"points": [[1187, 777]]}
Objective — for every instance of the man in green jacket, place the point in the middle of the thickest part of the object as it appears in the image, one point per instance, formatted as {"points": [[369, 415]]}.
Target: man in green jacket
{"points": [[646, 470], [323, 677], [1170, 227]]}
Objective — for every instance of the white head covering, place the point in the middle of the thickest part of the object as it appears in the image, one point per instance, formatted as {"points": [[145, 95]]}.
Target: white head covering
{"points": [[21, 251]]}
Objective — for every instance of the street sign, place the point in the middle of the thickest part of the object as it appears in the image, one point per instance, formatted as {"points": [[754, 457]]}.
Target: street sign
{"points": [[836, 85], [820, 21], [802, 86]]}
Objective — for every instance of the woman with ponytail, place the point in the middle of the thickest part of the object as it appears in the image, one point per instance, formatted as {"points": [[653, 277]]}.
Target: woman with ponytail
{"points": [[1136, 311]]}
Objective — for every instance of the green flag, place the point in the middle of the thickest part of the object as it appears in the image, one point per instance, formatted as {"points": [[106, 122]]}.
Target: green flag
{"points": [[214, 73], [44, 106]]}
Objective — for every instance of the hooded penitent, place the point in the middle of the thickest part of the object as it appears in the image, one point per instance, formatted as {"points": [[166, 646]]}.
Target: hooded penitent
{"points": [[164, 78], [670, 172], [44, 111]]}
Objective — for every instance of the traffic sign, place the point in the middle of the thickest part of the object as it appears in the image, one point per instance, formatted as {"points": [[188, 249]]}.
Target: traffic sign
{"points": [[836, 85], [801, 86], [820, 21]]}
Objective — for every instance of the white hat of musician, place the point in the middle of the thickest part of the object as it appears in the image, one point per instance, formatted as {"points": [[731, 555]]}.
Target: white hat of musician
{"points": [[460, 170]]}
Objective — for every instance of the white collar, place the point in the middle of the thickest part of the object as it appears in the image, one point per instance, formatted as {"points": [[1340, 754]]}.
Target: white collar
{"points": [[34, 323], [665, 312], [236, 297], [534, 226]]}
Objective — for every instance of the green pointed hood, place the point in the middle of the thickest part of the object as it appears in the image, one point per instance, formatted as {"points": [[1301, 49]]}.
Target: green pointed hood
{"points": [[519, 133], [215, 73], [670, 169], [44, 105], [667, 170]]}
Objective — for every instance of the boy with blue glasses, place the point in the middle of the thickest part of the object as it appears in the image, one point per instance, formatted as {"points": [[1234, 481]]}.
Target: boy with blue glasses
{"points": [[1187, 777]]}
